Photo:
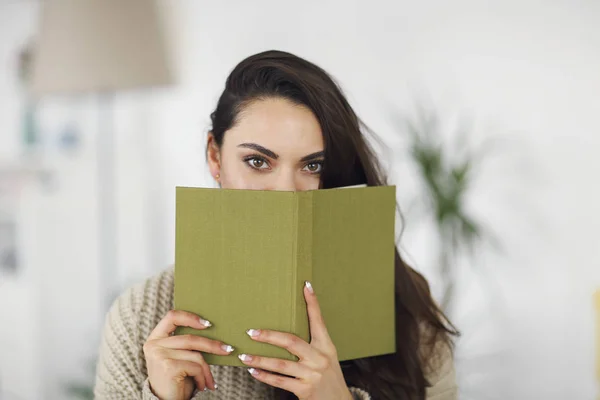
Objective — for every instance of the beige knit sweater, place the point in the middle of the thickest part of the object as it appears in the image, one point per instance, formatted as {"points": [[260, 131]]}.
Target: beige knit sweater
{"points": [[121, 370]]}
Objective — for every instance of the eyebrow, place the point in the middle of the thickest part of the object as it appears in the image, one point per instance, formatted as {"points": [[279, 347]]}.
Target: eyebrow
{"points": [[260, 149], [318, 154], [275, 156]]}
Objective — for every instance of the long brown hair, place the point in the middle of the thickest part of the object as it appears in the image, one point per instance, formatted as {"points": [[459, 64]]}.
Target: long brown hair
{"points": [[349, 160]]}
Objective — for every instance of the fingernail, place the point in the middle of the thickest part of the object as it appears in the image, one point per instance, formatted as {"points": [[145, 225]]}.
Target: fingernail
{"points": [[216, 387], [253, 332], [245, 357], [205, 322], [253, 371], [205, 389], [227, 348], [309, 287]]}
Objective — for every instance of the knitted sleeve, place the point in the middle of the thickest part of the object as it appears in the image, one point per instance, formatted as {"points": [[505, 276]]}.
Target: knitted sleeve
{"points": [[121, 368], [119, 372], [442, 377]]}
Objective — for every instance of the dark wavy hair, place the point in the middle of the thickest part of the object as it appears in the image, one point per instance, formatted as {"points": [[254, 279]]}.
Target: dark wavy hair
{"points": [[349, 160]]}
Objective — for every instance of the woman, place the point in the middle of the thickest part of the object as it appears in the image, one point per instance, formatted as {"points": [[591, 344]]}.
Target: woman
{"points": [[280, 124]]}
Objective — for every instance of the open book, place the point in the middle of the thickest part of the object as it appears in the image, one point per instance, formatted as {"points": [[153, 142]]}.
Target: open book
{"points": [[242, 257]]}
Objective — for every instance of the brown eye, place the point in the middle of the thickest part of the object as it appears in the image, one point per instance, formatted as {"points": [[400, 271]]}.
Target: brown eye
{"points": [[314, 167], [257, 163]]}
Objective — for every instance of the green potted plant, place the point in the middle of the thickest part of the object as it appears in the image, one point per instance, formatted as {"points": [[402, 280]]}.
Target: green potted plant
{"points": [[446, 168]]}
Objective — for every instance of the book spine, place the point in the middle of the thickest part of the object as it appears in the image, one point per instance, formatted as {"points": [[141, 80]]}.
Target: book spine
{"points": [[302, 263]]}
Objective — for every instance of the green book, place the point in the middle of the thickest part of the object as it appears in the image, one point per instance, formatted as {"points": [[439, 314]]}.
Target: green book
{"points": [[242, 257]]}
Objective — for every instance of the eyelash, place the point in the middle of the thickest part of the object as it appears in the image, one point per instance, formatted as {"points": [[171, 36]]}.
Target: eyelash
{"points": [[248, 160]]}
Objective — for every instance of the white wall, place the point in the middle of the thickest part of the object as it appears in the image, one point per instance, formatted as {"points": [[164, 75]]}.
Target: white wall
{"points": [[19, 316], [526, 72], [51, 313]]}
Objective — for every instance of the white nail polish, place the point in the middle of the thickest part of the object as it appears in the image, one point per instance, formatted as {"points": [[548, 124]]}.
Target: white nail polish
{"points": [[227, 348], [309, 287], [243, 357], [216, 387], [252, 371], [253, 332], [205, 322]]}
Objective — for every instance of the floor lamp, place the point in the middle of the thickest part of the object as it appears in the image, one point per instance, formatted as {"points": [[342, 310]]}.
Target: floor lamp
{"points": [[100, 48]]}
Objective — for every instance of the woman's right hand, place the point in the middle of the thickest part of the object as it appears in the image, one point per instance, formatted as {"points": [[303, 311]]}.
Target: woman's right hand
{"points": [[175, 364]]}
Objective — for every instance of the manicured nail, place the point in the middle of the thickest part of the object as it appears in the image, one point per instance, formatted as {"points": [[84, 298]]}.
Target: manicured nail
{"points": [[227, 348], [253, 371], [205, 322], [309, 287], [216, 387], [205, 389], [253, 332], [245, 357]]}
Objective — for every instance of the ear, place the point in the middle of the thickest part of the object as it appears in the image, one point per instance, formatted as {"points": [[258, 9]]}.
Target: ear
{"points": [[213, 156]]}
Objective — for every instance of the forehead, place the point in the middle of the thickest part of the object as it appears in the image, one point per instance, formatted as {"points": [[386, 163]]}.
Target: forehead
{"points": [[278, 125]]}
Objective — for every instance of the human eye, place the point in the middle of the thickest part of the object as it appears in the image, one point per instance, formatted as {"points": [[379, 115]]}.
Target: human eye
{"points": [[257, 162], [314, 167]]}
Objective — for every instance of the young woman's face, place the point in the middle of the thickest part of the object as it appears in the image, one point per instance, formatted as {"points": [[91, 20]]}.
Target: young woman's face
{"points": [[275, 145]]}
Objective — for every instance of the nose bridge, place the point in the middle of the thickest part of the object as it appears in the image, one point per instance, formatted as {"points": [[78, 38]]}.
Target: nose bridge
{"points": [[286, 180]]}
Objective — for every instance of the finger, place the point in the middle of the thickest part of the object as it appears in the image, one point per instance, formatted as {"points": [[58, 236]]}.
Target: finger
{"points": [[290, 368], [291, 343], [198, 343], [186, 369], [290, 384], [194, 356], [200, 380], [175, 318], [318, 330]]}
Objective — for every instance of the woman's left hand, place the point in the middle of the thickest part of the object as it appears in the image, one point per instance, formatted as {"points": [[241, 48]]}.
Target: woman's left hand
{"points": [[317, 374]]}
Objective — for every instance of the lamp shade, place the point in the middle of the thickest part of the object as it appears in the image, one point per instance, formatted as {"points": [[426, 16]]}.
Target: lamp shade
{"points": [[98, 46]]}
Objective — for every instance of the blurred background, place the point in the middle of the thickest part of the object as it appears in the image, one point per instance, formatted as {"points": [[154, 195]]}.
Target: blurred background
{"points": [[488, 115]]}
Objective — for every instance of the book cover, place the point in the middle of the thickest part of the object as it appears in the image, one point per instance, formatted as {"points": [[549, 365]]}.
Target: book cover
{"points": [[242, 257]]}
